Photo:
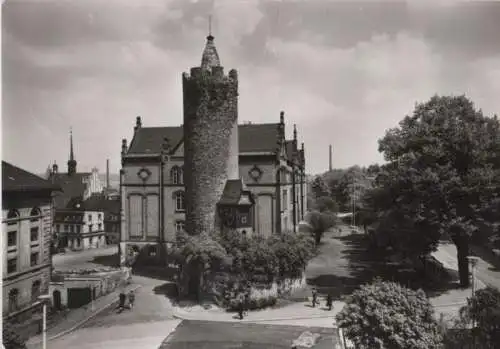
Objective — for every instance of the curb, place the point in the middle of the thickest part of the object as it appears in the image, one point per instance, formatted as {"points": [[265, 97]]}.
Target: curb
{"points": [[183, 317], [82, 322]]}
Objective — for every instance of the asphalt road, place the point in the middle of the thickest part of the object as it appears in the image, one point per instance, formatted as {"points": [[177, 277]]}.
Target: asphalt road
{"points": [[81, 259], [483, 271], [216, 335]]}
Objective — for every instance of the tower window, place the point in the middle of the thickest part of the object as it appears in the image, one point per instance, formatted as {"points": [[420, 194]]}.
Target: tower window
{"points": [[179, 226], [176, 175], [179, 201]]}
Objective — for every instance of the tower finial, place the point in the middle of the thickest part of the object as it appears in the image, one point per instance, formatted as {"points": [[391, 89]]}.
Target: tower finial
{"points": [[210, 25]]}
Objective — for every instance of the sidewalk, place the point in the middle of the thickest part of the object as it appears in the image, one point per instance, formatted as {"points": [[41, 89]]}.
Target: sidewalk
{"points": [[78, 317], [296, 314]]}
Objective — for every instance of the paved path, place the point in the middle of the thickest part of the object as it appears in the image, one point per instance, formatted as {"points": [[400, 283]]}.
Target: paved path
{"points": [[76, 318], [296, 314], [148, 335], [149, 306], [81, 259]]}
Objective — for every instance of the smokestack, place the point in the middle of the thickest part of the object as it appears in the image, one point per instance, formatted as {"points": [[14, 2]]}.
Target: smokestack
{"points": [[107, 173], [330, 158]]}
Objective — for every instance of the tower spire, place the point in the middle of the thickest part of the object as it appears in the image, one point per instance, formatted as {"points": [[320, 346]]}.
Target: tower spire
{"points": [[210, 57], [71, 161]]}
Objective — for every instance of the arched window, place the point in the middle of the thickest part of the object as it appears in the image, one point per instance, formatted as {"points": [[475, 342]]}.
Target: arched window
{"points": [[35, 214], [35, 290], [35, 221], [176, 175], [13, 300], [179, 201], [13, 214]]}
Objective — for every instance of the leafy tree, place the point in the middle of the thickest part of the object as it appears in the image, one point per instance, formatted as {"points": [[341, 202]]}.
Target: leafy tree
{"points": [[326, 204], [11, 340], [348, 184], [441, 177], [319, 187], [293, 251], [483, 309], [386, 315], [320, 222]]}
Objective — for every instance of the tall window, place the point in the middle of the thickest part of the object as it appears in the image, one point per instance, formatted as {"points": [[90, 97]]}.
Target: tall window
{"points": [[34, 234], [35, 290], [285, 199], [35, 256], [179, 226], [12, 230], [11, 265], [179, 201], [90, 218], [12, 238], [78, 227], [13, 300], [176, 175]]}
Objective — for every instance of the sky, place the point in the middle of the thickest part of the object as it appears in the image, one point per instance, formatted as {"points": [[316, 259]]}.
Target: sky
{"points": [[343, 71]]}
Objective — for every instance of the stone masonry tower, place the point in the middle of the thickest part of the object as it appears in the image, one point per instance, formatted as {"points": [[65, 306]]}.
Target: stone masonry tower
{"points": [[210, 138]]}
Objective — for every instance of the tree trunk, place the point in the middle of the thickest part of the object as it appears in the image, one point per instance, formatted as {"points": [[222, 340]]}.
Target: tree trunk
{"points": [[462, 245]]}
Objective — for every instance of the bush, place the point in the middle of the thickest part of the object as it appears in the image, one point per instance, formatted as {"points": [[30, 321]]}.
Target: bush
{"points": [[253, 303], [387, 315], [11, 340]]}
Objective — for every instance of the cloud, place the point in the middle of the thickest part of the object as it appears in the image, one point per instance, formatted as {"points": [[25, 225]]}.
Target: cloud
{"points": [[343, 72]]}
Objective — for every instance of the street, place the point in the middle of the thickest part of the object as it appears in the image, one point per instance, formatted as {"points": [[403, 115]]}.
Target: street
{"points": [[81, 259]]}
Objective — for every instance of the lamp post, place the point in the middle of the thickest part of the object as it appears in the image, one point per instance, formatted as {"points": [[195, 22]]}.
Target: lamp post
{"points": [[473, 262], [44, 299]]}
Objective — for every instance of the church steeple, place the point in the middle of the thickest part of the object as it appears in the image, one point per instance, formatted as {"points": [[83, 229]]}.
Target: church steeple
{"points": [[71, 161], [210, 57]]}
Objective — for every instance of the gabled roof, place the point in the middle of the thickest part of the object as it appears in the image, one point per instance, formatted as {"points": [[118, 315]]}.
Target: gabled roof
{"points": [[15, 179], [252, 138], [233, 190], [72, 187], [150, 139]]}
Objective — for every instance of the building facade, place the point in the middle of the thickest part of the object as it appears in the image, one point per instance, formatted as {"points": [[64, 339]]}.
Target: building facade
{"points": [[210, 172], [27, 210], [80, 226]]}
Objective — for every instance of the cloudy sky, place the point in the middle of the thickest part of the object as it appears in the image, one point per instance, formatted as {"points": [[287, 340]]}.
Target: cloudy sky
{"points": [[342, 71]]}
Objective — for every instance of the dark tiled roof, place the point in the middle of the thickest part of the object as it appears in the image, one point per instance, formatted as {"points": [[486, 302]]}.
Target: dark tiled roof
{"points": [[72, 187], [150, 139], [232, 192], [252, 138], [17, 179], [101, 203]]}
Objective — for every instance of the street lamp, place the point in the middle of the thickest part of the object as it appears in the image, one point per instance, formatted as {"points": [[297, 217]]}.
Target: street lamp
{"points": [[473, 262], [45, 298]]}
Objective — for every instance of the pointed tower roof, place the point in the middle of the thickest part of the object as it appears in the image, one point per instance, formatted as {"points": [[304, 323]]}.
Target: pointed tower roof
{"points": [[210, 57], [71, 161], [71, 152]]}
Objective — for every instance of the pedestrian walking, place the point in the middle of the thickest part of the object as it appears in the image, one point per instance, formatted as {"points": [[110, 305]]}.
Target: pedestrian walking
{"points": [[240, 307], [131, 299], [122, 299], [329, 301], [314, 298], [247, 302]]}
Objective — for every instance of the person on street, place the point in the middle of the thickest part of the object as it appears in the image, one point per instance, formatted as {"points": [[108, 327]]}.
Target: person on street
{"points": [[131, 299], [314, 298], [329, 301], [240, 307], [122, 300]]}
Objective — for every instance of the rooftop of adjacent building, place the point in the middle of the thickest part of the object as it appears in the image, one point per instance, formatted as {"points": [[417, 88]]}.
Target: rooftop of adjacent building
{"points": [[15, 179]]}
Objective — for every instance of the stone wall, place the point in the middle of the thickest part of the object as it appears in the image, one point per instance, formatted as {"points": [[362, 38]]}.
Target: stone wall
{"points": [[210, 116]]}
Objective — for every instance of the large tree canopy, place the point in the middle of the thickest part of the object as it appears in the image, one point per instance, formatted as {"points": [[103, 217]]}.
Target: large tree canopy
{"points": [[442, 176], [387, 315]]}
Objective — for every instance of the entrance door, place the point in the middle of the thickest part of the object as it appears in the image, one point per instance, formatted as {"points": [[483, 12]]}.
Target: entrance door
{"points": [[78, 297], [57, 299]]}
